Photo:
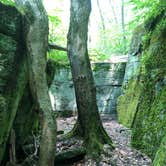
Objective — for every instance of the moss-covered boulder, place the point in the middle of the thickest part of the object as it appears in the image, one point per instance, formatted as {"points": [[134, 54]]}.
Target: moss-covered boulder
{"points": [[18, 116], [143, 105], [13, 71], [129, 101]]}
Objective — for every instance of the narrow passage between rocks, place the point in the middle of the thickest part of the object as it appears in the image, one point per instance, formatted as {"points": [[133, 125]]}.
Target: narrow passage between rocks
{"points": [[123, 155]]}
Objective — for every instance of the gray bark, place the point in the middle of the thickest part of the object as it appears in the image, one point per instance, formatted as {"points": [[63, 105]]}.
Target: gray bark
{"points": [[123, 26], [88, 125]]}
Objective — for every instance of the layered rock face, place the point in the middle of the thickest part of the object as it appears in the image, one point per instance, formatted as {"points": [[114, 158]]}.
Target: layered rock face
{"points": [[143, 103], [108, 79]]}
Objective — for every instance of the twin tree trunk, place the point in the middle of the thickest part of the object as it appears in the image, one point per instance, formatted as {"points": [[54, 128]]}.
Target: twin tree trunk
{"points": [[89, 125], [36, 36]]}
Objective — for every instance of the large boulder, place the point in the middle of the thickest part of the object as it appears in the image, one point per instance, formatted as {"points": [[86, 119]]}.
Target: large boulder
{"points": [[19, 120], [13, 70]]}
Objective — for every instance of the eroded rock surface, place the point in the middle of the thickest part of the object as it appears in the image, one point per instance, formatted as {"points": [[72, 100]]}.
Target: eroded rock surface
{"points": [[108, 79]]}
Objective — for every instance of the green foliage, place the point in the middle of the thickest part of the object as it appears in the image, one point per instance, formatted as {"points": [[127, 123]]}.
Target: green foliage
{"points": [[111, 41], [144, 12], [144, 8], [54, 29], [58, 56], [97, 55], [55, 20], [56, 35], [8, 2]]}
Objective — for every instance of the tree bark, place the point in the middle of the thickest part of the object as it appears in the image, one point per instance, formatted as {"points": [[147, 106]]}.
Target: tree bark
{"points": [[36, 36], [88, 125], [123, 26]]}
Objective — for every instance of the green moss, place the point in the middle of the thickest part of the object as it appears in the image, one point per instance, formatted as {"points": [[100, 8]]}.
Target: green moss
{"points": [[149, 102], [3, 104], [7, 44], [127, 104], [160, 157], [150, 125]]}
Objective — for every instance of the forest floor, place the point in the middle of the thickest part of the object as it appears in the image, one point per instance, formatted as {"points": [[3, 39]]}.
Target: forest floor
{"points": [[123, 155]]}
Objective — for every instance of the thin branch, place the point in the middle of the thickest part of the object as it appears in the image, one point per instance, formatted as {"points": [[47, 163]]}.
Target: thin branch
{"points": [[113, 11], [56, 47], [101, 15]]}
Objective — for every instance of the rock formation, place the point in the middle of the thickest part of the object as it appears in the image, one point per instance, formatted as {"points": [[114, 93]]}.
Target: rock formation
{"points": [[17, 115], [143, 103], [108, 79]]}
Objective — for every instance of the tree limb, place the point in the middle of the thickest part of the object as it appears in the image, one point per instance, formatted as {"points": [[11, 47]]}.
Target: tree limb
{"points": [[56, 47]]}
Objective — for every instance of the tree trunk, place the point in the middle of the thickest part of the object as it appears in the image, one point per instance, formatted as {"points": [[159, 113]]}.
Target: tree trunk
{"points": [[123, 27], [36, 36], [88, 125]]}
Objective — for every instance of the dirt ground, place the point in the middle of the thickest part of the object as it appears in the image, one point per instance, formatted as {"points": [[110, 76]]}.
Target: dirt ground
{"points": [[123, 155]]}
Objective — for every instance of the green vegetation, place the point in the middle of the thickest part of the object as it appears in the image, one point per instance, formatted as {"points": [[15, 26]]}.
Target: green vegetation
{"points": [[128, 103], [109, 40], [160, 159], [148, 114], [58, 57], [8, 2]]}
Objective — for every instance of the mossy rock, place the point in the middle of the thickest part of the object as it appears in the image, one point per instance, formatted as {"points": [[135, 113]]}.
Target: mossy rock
{"points": [[160, 157], [128, 103], [149, 127], [10, 21], [3, 104]]}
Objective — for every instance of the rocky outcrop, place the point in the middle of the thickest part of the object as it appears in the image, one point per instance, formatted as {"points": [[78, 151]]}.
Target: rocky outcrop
{"points": [[18, 118], [108, 79], [13, 70], [129, 101], [143, 103], [135, 52]]}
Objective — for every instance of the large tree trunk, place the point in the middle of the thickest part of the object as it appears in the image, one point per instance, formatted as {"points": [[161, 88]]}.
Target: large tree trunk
{"points": [[36, 36], [88, 125]]}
